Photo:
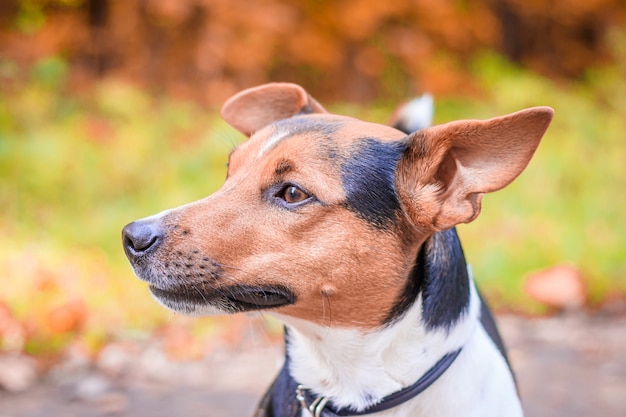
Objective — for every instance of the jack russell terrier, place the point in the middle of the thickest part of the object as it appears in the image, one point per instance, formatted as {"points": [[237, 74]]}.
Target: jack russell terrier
{"points": [[344, 230]]}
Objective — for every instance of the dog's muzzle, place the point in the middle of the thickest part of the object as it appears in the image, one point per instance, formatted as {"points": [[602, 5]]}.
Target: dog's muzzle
{"points": [[190, 282]]}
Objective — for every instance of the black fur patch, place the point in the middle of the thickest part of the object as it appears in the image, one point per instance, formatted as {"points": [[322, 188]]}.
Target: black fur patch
{"points": [[489, 324], [440, 274], [368, 178], [283, 167], [411, 290], [446, 286]]}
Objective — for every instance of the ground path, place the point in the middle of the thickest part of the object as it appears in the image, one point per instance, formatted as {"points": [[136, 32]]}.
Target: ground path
{"points": [[572, 365]]}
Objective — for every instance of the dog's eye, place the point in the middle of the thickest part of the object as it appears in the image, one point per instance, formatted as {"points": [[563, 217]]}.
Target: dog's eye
{"points": [[292, 194]]}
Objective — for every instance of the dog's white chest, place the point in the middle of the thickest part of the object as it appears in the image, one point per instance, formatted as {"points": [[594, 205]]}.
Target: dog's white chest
{"points": [[345, 365]]}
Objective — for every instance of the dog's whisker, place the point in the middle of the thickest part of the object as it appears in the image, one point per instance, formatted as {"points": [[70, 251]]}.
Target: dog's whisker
{"points": [[230, 141], [200, 293]]}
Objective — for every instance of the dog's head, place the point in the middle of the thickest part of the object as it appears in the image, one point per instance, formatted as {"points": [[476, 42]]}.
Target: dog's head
{"points": [[321, 216]]}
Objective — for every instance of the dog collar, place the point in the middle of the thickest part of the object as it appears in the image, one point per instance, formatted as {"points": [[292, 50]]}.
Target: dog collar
{"points": [[320, 406]]}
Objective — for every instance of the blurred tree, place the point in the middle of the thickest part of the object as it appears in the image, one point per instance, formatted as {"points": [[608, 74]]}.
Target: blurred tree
{"points": [[354, 49]]}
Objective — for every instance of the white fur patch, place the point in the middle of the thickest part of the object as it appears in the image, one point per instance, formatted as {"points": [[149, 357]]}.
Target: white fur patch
{"points": [[417, 114], [356, 368], [274, 140]]}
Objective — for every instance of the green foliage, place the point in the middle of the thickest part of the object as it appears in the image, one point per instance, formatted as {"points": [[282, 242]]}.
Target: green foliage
{"points": [[74, 168], [568, 206]]}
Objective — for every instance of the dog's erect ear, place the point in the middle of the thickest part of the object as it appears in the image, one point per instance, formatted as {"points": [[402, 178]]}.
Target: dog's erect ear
{"points": [[446, 169], [413, 115], [250, 110]]}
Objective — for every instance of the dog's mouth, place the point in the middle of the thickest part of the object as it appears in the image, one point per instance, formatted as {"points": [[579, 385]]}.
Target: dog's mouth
{"points": [[231, 299]]}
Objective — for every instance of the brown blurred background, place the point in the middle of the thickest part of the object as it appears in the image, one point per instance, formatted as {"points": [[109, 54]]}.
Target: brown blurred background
{"points": [[354, 50], [107, 114]]}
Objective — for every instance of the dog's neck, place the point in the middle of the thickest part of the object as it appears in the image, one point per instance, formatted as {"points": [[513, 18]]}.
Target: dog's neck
{"points": [[356, 368]]}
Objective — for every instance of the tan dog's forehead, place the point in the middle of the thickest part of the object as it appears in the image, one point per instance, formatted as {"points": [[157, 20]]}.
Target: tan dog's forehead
{"points": [[333, 134], [321, 250], [313, 149]]}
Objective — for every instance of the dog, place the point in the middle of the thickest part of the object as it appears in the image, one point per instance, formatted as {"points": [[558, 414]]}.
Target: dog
{"points": [[345, 231]]}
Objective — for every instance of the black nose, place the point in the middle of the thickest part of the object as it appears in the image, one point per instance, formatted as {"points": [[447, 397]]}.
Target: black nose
{"points": [[141, 237]]}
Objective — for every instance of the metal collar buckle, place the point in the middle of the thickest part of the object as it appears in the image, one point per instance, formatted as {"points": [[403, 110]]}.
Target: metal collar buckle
{"points": [[316, 407]]}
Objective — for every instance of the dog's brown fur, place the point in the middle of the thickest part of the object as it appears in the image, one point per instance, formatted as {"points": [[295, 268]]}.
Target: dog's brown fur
{"points": [[325, 253]]}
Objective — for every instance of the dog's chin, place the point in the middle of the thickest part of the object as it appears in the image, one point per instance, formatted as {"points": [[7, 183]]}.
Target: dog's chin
{"points": [[182, 305], [197, 301]]}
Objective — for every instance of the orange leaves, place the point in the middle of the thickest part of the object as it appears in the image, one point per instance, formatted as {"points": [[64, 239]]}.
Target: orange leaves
{"points": [[12, 332], [204, 49], [370, 61], [40, 326], [169, 12], [67, 317], [360, 20], [309, 46], [180, 343], [53, 298], [559, 287]]}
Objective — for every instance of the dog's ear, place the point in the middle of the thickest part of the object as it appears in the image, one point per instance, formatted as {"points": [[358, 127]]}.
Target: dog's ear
{"points": [[250, 110], [413, 115], [446, 169]]}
